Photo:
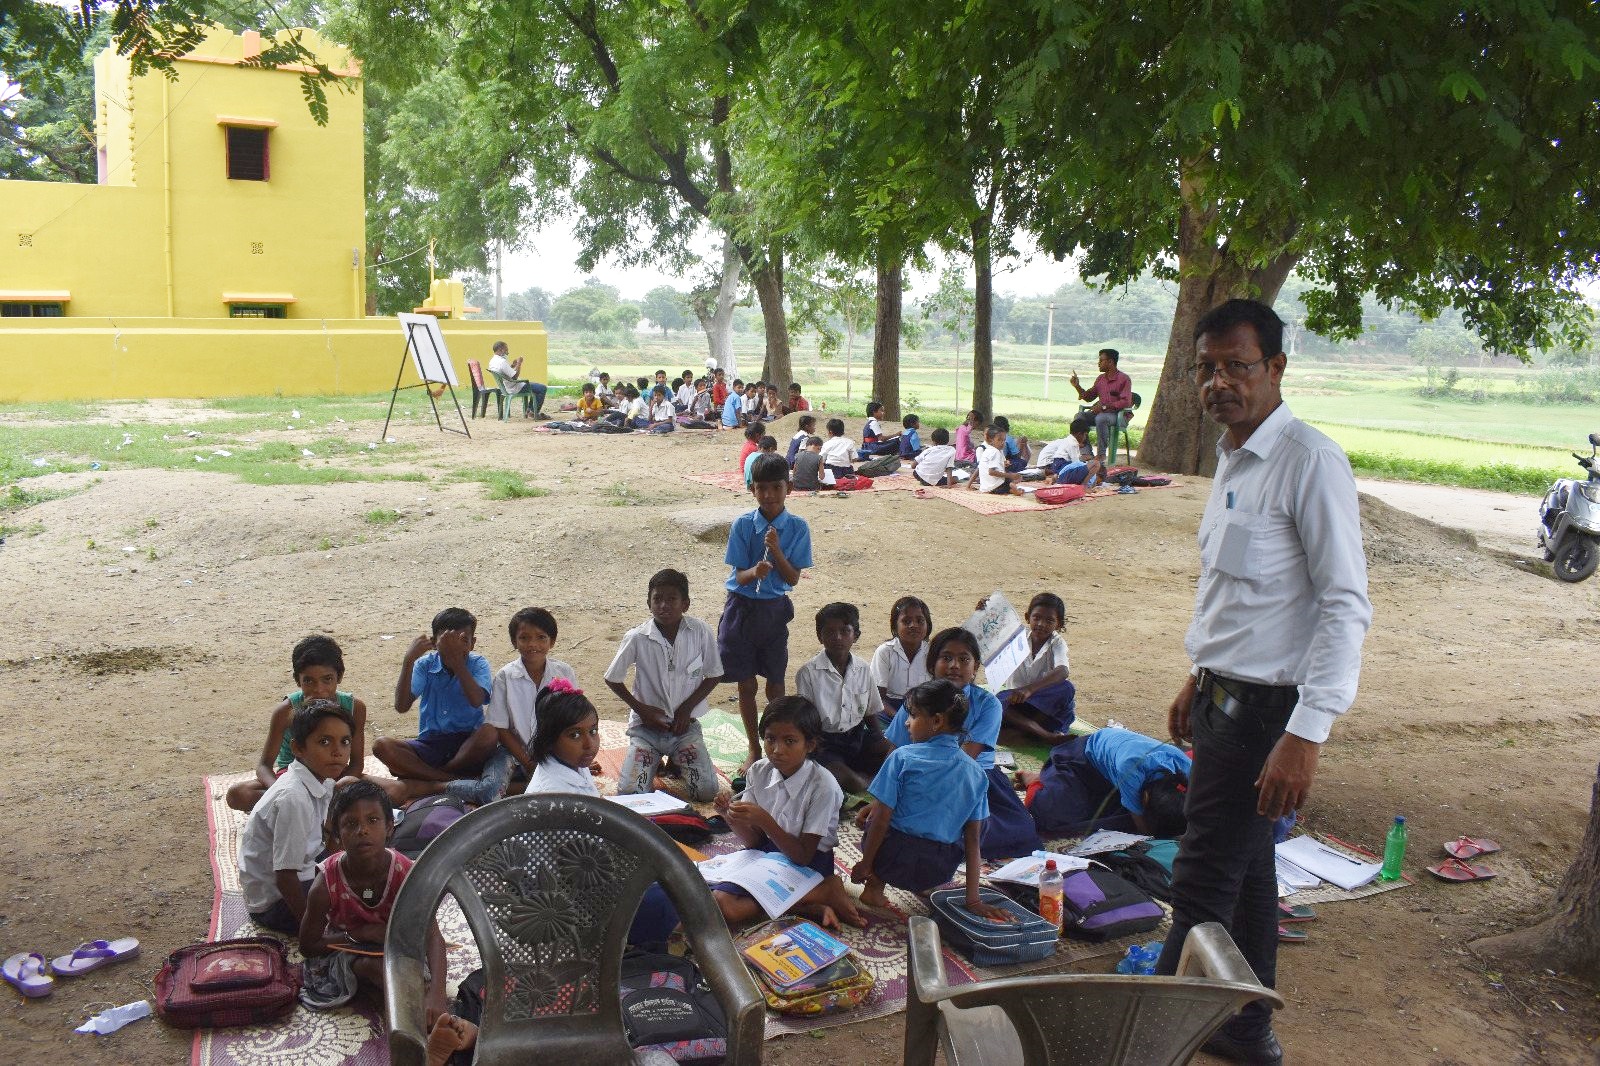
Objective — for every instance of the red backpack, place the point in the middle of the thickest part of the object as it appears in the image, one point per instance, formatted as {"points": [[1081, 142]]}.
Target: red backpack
{"points": [[1059, 493]]}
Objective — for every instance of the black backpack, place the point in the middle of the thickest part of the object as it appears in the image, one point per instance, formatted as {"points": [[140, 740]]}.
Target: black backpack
{"points": [[1135, 866], [667, 1005], [879, 466]]}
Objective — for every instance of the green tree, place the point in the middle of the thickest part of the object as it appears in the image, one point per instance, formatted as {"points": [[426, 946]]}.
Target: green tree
{"points": [[952, 310], [1434, 155], [665, 308], [530, 305]]}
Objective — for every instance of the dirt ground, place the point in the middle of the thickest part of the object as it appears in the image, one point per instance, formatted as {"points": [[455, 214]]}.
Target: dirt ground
{"points": [[127, 677]]}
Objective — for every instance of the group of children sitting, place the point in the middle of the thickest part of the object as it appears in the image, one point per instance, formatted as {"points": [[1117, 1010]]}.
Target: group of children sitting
{"points": [[996, 463], [909, 726], [687, 401]]}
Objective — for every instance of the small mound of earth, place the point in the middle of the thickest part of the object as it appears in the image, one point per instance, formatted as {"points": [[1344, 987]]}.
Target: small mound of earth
{"points": [[1400, 538], [131, 660]]}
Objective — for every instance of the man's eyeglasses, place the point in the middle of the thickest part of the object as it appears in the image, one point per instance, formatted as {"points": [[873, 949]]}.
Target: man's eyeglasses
{"points": [[1232, 369]]}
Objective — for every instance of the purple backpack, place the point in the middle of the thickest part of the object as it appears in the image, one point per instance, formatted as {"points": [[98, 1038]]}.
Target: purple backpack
{"points": [[1099, 905]]}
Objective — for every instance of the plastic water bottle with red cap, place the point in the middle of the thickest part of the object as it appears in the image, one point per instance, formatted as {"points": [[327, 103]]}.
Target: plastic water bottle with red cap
{"points": [[1050, 892]]}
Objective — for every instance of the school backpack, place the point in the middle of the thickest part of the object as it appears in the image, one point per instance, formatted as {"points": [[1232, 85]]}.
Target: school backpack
{"points": [[1150, 481], [246, 981], [1139, 867], [667, 1006], [1101, 905], [879, 466], [424, 819], [686, 827], [1059, 493], [852, 483]]}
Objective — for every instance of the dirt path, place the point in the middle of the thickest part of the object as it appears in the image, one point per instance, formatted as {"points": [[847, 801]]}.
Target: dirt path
{"points": [[128, 675], [1501, 520]]}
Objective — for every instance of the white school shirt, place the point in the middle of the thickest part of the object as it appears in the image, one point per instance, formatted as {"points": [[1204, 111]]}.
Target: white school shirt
{"points": [[807, 801], [685, 395], [836, 451], [513, 694], [663, 411], [989, 458], [935, 462], [1065, 448], [665, 674], [283, 832], [1282, 598], [894, 672], [552, 776], [635, 408], [1037, 664], [842, 700]]}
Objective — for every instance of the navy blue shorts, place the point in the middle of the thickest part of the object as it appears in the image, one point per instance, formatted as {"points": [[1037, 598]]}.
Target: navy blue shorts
{"points": [[753, 637], [436, 749], [854, 747], [915, 863], [821, 861]]}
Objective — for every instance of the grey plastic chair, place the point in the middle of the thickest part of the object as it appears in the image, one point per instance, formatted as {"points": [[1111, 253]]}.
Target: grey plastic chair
{"points": [[549, 886], [1081, 1019]]}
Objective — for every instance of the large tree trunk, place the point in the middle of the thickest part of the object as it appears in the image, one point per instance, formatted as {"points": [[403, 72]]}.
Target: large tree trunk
{"points": [[982, 315], [767, 277], [886, 333], [1569, 940], [719, 323], [1181, 439]]}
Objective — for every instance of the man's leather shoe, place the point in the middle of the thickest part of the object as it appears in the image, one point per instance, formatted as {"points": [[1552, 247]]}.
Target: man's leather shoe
{"points": [[1263, 1051]]}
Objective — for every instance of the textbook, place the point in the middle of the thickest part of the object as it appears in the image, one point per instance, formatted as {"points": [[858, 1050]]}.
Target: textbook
{"points": [[788, 958], [770, 878]]}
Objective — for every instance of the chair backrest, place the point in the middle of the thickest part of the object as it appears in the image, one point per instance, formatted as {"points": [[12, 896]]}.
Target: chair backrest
{"points": [[475, 372], [549, 886], [1084, 1019]]}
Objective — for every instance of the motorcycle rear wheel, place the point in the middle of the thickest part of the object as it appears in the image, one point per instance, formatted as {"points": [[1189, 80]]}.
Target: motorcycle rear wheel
{"points": [[1576, 557]]}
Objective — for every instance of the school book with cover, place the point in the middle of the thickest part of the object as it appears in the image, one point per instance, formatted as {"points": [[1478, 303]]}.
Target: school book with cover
{"points": [[788, 958]]}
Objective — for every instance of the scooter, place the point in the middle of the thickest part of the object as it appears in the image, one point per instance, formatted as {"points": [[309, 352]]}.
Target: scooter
{"points": [[1569, 520]]}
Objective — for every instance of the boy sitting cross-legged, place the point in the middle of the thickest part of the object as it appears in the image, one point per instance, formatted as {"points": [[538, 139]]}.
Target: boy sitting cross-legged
{"points": [[675, 666], [283, 835], [453, 743]]}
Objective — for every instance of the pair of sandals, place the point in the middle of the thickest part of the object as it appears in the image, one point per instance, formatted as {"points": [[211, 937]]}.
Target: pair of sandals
{"points": [[1459, 867], [1289, 919], [29, 973]]}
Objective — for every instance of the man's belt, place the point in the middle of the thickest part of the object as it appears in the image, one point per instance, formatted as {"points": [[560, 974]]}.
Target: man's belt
{"points": [[1217, 688]]}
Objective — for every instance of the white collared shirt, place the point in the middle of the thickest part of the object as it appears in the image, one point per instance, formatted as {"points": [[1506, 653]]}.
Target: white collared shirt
{"points": [[989, 459], [663, 411], [685, 395], [1065, 448], [842, 700], [935, 462], [1041, 662], [894, 672], [283, 832], [665, 674], [836, 451], [807, 801], [554, 776], [1282, 598], [514, 693]]}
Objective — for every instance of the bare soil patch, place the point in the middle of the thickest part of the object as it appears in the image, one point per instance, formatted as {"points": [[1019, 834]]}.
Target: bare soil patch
{"points": [[128, 677]]}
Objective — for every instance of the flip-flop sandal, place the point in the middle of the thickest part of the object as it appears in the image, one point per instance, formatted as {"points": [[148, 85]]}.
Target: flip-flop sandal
{"points": [[1458, 870], [25, 972], [1291, 936], [93, 954], [1288, 915], [1466, 847]]}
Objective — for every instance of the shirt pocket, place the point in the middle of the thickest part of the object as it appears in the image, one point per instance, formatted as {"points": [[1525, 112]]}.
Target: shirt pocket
{"points": [[1255, 547]]}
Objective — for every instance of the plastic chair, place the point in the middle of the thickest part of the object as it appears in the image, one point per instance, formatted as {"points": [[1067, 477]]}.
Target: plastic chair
{"points": [[525, 395], [481, 394], [1083, 1019], [549, 885], [1121, 433]]}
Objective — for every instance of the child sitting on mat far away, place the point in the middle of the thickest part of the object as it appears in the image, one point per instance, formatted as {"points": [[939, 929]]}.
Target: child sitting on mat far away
{"points": [[318, 668], [348, 908], [790, 806], [929, 803]]}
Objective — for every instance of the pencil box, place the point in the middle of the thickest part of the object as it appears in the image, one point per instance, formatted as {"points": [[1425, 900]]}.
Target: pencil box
{"points": [[987, 942]]}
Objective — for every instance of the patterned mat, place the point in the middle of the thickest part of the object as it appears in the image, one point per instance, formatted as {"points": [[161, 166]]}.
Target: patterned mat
{"points": [[354, 1035], [1326, 893], [981, 502]]}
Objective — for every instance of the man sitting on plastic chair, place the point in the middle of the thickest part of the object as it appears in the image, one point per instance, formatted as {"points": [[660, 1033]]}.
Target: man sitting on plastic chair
{"points": [[1112, 393], [507, 370]]}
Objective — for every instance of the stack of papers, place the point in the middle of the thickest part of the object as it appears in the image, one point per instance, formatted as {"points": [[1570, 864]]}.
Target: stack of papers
{"points": [[1330, 864]]}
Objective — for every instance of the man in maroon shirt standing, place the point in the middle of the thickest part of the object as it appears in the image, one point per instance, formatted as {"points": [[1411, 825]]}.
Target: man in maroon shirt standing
{"points": [[1112, 394]]}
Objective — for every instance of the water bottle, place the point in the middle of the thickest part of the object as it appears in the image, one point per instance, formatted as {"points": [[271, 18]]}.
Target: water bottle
{"points": [[1394, 850], [1050, 894]]}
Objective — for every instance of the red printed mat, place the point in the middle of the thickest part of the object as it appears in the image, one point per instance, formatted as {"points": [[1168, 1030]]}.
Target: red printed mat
{"points": [[353, 1036]]}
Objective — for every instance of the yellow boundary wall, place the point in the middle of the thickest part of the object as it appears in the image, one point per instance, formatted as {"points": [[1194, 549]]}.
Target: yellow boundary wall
{"points": [[45, 359]]}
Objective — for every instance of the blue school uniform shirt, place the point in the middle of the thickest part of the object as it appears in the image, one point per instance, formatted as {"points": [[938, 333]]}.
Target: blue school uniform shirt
{"points": [[1128, 760], [730, 409], [984, 714], [910, 443], [934, 787], [745, 549], [1012, 451], [444, 707]]}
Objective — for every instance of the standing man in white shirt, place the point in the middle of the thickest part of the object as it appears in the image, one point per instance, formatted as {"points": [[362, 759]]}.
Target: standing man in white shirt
{"points": [[1280, 614]]}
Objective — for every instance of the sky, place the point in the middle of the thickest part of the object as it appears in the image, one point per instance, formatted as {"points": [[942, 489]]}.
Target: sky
{"points": [[549, 265]]}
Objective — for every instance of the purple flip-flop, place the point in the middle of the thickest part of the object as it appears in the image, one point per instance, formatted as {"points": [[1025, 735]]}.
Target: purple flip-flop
{"points": [[93, 954], [25, 971]]}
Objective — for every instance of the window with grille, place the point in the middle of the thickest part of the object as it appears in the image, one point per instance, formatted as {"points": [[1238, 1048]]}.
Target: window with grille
{"points": [[247, 153], [257, 311], [22, 309]]}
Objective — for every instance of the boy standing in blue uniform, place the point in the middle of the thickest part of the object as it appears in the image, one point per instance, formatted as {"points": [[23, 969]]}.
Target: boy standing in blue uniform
{"points": [[767, 549]]}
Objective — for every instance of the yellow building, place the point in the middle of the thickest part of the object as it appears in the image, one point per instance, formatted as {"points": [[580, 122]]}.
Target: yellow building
{"points": [[221, 252]]}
